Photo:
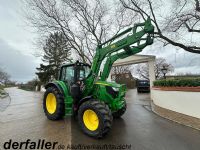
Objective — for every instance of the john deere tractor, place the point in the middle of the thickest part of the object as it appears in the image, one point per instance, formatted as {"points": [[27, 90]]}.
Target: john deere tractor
{"points": [[82, 90]]}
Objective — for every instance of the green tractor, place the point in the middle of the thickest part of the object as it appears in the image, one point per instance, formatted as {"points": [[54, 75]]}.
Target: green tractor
{"points": [[82, 90]]}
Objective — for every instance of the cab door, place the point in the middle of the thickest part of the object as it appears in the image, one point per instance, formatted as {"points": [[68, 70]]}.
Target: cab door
{"points": [[67, 74]]}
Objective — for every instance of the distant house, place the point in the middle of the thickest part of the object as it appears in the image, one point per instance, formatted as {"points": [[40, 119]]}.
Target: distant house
{"points": [[125, 78]]}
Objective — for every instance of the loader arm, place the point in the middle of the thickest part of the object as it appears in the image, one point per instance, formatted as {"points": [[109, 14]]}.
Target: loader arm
{"points": [[110, 48], [111, 59]]}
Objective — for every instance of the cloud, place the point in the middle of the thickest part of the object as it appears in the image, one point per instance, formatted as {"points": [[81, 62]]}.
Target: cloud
{"points": [[183, 61], [21, 67]]}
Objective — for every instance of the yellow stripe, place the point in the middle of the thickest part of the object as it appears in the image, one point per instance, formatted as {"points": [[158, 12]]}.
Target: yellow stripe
{"points": [[102, 84], [113, 46]]}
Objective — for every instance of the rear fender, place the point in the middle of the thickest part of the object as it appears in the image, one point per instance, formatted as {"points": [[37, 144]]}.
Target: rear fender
{"points": [[61, 86], [54, 84], [64, 90]]}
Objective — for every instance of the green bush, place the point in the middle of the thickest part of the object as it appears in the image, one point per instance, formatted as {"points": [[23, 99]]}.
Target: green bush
{"points": [[190, 82], [1, 89]]}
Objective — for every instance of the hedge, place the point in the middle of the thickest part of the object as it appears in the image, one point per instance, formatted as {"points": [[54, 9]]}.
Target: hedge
{"points": [[27, 87], [190, 82]]}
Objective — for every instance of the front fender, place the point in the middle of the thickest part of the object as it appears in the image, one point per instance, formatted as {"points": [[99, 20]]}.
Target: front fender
{"points": [[77, 105], [84, 100]]}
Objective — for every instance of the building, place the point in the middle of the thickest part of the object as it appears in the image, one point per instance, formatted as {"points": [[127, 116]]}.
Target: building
{"points": [[125, 78]]}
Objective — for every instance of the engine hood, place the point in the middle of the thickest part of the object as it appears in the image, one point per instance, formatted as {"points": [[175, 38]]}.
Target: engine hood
{"points": [[105, 83]]}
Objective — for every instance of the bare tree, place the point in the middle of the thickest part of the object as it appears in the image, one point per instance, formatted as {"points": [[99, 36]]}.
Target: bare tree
{"points": [[143, 71], [174, 25], [4, 77], [85, 23], [185, 15], [120, 69]]}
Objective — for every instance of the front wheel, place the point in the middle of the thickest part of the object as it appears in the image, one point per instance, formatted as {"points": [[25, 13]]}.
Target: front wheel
{"points": [[95, 118], [120, 112]]}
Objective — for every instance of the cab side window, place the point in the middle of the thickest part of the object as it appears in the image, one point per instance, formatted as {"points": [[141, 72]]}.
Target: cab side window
{"points": [[83, 72], [68, 74], [63, 74]]}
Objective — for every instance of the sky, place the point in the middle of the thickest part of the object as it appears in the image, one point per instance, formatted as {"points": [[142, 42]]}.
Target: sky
{"points": [[17, 48], [16, 42], [184, 62]]}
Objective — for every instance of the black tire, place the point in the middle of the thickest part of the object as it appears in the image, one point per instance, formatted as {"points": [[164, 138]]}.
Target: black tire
{"points": [[104, 116], [60, 106], [120, 112]]}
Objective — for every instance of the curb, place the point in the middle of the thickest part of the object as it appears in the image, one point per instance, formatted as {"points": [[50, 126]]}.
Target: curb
{"points": [[172, 119]]}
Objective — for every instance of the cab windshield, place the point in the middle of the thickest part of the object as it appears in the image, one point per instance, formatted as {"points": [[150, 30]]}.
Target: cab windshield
{"points": [[82, 72], [74, 73]]}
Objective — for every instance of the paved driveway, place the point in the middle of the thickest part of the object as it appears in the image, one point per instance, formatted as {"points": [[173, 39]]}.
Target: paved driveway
{"points": [[139, 127], [143, 129], [24, 119]]}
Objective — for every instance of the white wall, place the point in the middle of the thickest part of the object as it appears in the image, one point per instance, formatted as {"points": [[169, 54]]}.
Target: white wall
{"points": [[187, 103], [43, 89], [152, 75]]}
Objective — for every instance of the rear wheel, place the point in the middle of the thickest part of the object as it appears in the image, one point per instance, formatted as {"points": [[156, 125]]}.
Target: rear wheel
{"points": [[95, 118], [120, 112], [53, 104]]}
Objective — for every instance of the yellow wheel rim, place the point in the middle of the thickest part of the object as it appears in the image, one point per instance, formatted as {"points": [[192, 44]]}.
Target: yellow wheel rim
{"points": [[51, 103], [91, 120]]}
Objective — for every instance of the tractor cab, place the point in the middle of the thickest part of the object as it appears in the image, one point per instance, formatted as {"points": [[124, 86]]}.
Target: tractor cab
{"points": [[74, 72], [74, 75]]}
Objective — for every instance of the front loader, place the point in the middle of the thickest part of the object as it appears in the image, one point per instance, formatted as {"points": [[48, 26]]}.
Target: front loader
{"points": [[82, 90]]}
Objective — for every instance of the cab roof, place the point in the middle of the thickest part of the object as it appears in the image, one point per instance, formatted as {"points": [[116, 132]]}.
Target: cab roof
{"points": [[76, 63]]}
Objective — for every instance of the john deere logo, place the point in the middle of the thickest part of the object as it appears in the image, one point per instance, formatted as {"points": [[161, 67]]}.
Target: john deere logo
{"points": [[113, 46]]}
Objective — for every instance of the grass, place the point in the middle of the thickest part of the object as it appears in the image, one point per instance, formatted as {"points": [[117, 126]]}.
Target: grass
{"points": [[1, 89]]}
